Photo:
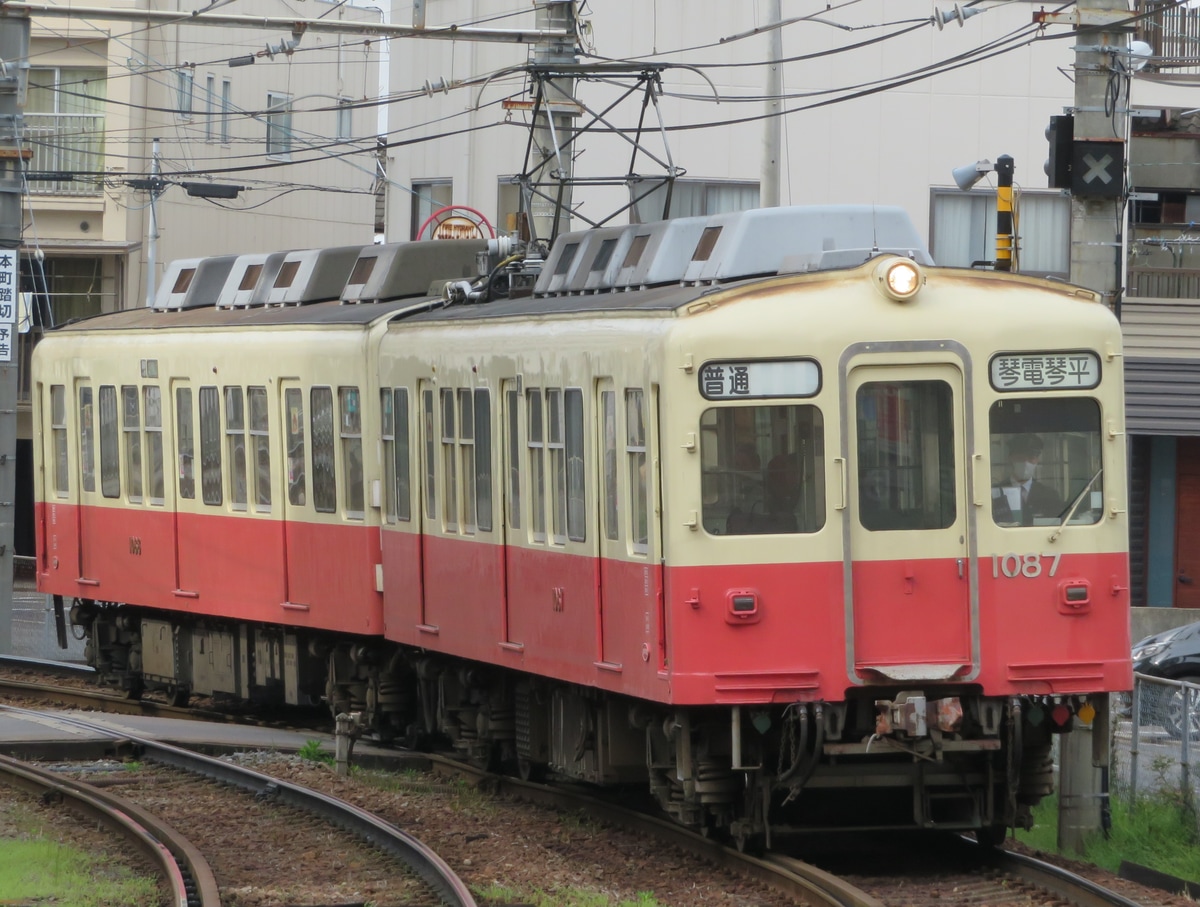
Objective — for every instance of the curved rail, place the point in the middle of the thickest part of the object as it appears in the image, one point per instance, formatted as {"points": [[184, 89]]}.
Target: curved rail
{"points": [[424, 862], [1072, 888], [176, 859]]}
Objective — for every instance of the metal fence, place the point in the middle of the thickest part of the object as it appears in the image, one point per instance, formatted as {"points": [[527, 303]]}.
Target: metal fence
{"points": [[1156, 740]]}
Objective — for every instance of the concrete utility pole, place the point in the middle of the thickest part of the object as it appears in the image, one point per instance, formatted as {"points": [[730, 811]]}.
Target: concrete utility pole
{"points": [[555, 121], [769, 191], [14, 56], [1097, 216]]}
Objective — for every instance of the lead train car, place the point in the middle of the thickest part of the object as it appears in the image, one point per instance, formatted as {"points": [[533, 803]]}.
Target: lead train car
{"points": [[710, 512]]}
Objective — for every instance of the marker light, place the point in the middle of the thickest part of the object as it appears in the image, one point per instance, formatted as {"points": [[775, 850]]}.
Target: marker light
{"points": [[900, 278]]}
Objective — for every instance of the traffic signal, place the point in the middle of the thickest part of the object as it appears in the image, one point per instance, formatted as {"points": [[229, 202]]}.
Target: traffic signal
{"points": [[1061, 136]]}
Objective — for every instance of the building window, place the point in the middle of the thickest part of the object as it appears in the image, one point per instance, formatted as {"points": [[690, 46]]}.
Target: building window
{"points": [[226, 109], [185, 90], [428, 196], [511, 208], [210, 107], [344, 127], [279, 125], [691, 198], [962, 228], [64, 125]]}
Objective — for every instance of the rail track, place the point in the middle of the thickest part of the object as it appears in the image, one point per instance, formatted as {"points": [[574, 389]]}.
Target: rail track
{"points": [[1003, 878], [444, 886]]}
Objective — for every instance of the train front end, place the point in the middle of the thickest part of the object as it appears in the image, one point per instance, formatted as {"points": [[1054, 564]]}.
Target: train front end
{"points": [[895, 535]]}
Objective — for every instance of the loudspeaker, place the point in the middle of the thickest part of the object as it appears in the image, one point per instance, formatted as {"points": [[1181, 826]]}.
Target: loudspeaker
{"points": [[968, 175]]}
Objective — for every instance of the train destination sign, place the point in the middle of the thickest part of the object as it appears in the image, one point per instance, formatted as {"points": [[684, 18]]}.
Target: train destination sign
{"points": [[1068, 370], [758, 379]]}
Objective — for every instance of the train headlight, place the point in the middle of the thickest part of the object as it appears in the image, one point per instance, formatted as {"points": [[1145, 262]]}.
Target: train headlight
{"points": [[899, 278]]}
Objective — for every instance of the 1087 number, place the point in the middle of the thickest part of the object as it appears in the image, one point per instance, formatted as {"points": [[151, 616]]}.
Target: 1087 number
{"points": [[1031, 565]]}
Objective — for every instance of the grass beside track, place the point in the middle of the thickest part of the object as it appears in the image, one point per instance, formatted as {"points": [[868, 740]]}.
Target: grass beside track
{"points": [[1159, 831], [38, 866]]}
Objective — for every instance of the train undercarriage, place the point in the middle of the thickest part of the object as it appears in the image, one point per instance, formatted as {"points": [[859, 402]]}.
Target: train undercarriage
{"points": [[882, 758]]}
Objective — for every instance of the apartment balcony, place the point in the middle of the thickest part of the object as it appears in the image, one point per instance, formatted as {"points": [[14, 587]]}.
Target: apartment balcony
{"points": [[1174, 33], [70, 146]]}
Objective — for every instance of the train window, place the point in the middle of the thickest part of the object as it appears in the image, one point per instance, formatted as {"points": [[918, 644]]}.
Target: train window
{"points": [[449, 464], [558, 465], [635, 451], [387, 437], [708, 240], [287, 274], [352, 460], [293, 401], [763, 470], [1046, 455], [110, 466], [324, 475], [636, 248], [430, 453], [235, 442], [537, 465], [403, 492], [186, 443], [576, 509], [608, 408], [131, 425], [154, 443], [466, 452], [260, 446], [87, 440], [210, 446], [566, 258], [513, 427], [483, 459], [906, 477], [58, 428]]}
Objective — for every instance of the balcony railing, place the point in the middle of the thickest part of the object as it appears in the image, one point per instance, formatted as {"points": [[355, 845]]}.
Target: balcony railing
{"points": [[67, 144], [1164, 283], [1174, 33]]}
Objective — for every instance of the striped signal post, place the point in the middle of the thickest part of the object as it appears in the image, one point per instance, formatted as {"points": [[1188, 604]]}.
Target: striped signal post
{"points": [[1005, 234]]}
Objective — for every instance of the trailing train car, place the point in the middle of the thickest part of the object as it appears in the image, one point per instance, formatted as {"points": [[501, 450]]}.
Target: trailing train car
{"points": [[760, 511]]}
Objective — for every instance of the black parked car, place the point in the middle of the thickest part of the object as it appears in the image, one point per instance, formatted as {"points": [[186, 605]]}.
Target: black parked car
{"points": [[1173, 654]]}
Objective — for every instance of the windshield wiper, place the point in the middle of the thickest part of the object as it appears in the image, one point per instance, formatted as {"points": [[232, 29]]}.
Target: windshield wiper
{"points": [[1075, 504]]}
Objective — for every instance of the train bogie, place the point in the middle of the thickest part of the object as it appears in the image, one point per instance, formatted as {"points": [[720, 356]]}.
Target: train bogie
{"points": [[791, 532]]}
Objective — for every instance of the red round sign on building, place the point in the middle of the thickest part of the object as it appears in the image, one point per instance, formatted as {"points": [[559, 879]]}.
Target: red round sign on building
{"points": [[456, 222]]}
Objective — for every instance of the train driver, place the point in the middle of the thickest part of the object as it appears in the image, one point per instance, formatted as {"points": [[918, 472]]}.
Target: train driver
{"points": [[1020, 497]]}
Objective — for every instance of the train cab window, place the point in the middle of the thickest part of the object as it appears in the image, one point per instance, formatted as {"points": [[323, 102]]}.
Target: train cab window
{"points": [[635, 452], [608, 416], [210, 446], [449, 462], [762, 469], [576, 509], [58, 429], [131, 425], [483, 459], [906, 476], [235, 443], [429, 421], [466, 453], [186, 443], [260, 447], [403, 455], [557, 448], [154, 443], [87, 440], [110, 463], [513, 430], [350, 413], [537, 464], [293, 401], [324, 475], [1046, 461]]}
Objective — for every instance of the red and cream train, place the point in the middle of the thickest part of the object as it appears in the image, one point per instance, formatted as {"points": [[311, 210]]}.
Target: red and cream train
{"points": [[723, 506]]}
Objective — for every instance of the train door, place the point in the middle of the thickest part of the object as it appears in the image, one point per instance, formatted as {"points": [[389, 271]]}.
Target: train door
{"points": [[611, 551], [910, 581], [295, 501], [85, 399], [183, 430]]}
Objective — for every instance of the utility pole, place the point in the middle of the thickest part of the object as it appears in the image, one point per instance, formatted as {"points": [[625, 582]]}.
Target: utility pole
{"points": [[14, 56], [769, 191], [152, 225], [1097, 166], [554, 122]]}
